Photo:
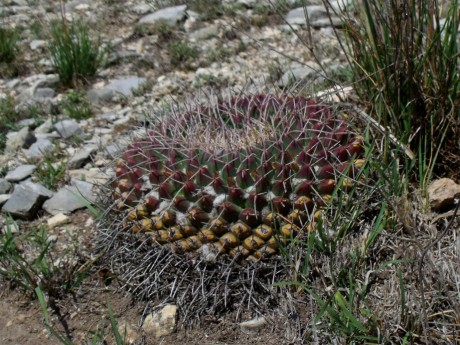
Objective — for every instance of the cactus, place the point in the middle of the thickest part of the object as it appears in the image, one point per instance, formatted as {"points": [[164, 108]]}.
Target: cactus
{"points": [[239, 178]]}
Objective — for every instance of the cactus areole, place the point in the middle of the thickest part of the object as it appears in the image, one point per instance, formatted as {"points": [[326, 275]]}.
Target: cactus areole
{"points": [[239, 178]]}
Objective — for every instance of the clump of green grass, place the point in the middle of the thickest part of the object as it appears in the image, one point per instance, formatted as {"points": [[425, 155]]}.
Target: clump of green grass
{"points": [[208, 9], [218, 54], [34, 268], [50, 173], [75, 55], [76, 105], [181, 53], [8, 45], [9, 52], [405, 63], [8, 118]]}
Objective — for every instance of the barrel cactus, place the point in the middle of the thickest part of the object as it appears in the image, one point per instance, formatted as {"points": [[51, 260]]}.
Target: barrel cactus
{"points": [[238, 178]]}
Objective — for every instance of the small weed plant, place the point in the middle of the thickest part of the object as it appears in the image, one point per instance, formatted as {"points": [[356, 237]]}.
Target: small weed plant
{"points": [[8, 45], [181, 53], [50, 173], [8, 118], [99, 337], [76, 106], [27, 262], [75, 55]]}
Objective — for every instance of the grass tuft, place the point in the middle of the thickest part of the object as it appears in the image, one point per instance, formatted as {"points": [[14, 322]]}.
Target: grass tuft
{"points": [[75, 55], [8, 45], [181, 53], [405, 63], [76, 106]]}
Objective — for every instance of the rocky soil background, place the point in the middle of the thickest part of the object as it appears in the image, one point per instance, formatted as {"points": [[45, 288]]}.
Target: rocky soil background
{"points": [[56, 153]]}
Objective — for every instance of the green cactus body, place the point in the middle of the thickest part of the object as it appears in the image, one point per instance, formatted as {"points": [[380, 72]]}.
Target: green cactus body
{"points": [[240, 177]]}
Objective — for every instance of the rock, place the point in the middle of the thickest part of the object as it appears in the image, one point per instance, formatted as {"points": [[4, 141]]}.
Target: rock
{"points": [[300, 72], [11, 226], [125, 85], [68, 128], [4, 198], [22, 139], [41, 148], [141, 9], [341, 5], [94, 176], [128, 332], [255, 323], [204, 33], [317, 16], [20, 173], [35, 96], [45, 127], [52, 239], [57, 220], [71, 198], [81, 157], [100, 95], [26, 123], [170, 15], [72, 5], [162, 322], [37, 188], [114, 150], [36, 44], [24, 203], [45, 92], [442, 193], [5, 186]]}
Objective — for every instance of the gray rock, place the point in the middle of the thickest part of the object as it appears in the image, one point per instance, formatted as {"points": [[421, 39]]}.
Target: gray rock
{"points": [[317, 16], [342, 5], [44, 92], [24, 203], [19, 3], [204, 33], [141, 9], [22, 139], [37, 188], [125, 85], [123, 55], [94, 176], [35, 44], [326, 22], [40, 148], [109, 116], [100, 95], [5, 186], [72, 5], [26, 123], [81, 157], [300, 72], [35, 95], [170, 15], [20, 173], [4, 198], [114, 150], [71, 198], [45, 127], [13, 83], [68, 128]]}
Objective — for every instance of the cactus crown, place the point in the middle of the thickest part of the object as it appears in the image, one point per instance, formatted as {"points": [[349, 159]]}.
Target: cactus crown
{"points": [[238, 177]]}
